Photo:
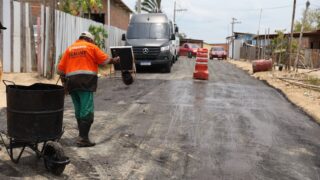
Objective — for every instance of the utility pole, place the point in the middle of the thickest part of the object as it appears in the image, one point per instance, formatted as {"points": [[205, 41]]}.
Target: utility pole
{"points": [[288, 64], [234, 21], [139, 6], [301, 33], [258, 39], [109, 23], [176, 10]]}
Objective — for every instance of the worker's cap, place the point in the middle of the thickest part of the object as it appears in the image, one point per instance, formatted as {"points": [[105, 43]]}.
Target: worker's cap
{"points": [[87, 35], [2, 27], [127, 78]]}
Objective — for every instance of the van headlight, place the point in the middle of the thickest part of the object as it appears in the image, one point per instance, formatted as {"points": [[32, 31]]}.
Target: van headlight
{"points": [[165, 48]]}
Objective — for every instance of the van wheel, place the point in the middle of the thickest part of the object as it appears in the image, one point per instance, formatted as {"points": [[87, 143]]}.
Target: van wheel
{"points": [[167, 67], [189, 55]]}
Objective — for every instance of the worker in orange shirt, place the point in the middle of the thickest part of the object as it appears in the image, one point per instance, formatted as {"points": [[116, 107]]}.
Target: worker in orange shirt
{"points": [[79, 64]]}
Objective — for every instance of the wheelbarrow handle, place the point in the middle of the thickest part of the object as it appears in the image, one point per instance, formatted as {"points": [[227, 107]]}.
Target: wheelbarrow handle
{"points": [[5, 82]]}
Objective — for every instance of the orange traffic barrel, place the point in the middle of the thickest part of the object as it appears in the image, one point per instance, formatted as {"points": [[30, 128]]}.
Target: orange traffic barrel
{"points": [[202, 55], [261, 65], [202, 60], [203, 50], [201, 71]]}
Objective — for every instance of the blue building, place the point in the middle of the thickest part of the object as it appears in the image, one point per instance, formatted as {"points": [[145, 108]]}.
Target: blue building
{"points": [[236, 41]]}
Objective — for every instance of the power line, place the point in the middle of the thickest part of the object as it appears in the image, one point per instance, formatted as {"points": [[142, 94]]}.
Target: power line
{"points": [[268, 8]]}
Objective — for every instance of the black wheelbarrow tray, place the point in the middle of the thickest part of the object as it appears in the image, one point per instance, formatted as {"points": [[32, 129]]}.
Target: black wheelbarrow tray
{"points": [[34, 120]]}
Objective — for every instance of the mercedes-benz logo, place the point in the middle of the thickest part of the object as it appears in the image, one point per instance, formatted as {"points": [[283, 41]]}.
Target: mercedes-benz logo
{"points": [[145, 50]]}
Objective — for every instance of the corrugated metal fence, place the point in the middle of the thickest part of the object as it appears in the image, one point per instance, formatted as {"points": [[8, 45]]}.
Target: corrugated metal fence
{"points": [[29, 47]]}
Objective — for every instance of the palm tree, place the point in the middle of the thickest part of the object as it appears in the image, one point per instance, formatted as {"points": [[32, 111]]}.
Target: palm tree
{"points": [[151, 6]]}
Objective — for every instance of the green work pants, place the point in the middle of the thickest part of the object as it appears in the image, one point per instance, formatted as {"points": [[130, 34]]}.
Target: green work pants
{"points": [[83, 105]]}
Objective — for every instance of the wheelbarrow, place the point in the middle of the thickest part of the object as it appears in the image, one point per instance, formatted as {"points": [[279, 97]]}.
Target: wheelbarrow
{"points": [[34, 120]]}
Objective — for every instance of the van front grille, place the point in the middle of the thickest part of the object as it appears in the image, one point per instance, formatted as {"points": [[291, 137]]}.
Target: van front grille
{"points": [[146, 53]]}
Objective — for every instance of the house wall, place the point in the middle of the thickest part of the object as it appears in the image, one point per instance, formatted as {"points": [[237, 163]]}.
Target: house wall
{"points": [[315, 43], [224, 45], [198, 42], [120, 17]]}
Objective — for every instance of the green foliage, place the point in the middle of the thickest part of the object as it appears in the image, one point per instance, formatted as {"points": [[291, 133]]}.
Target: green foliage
{"points": [[87, 6], [312, 80], [68, 6], [182, 36], [312, 22], [100, 34], [280, 44], [78, 7], [151, 6]]}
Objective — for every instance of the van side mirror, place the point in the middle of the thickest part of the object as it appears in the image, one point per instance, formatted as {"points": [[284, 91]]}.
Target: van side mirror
{"points": [[123, 37], [173, 37], [176, 29]]}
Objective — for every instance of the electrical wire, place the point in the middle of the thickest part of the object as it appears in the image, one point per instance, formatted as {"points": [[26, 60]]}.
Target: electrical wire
{"points": [[268, 8]]}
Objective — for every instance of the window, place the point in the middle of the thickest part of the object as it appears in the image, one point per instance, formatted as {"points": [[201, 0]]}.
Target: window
{"points": [[148, 31]]}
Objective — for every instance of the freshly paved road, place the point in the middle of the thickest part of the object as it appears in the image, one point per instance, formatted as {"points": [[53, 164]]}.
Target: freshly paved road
{"points": [[169, 126]]}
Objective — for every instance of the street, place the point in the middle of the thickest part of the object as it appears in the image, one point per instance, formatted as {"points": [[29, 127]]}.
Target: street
{"points": [[170, 126]]}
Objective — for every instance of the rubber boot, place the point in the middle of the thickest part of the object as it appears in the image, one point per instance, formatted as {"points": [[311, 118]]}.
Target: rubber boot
{"points": [[84, 128], [78, 122]]}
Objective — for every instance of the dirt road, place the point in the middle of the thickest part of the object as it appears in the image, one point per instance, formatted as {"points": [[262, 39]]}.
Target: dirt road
{"points": [[169, 126]]}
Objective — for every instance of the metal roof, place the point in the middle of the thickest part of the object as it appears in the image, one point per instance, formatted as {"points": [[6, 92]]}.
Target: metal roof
{"points": [[295, 34]]}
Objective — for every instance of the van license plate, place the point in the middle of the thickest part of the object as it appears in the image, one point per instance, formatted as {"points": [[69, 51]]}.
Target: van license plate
{"points": [[145, 63]]}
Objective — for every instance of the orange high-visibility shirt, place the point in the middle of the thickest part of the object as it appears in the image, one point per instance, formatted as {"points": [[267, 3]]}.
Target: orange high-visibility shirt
{"points": [[82, 57]]}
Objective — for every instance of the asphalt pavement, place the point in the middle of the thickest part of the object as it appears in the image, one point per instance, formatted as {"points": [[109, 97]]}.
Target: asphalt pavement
{"points": [[170, 126]]}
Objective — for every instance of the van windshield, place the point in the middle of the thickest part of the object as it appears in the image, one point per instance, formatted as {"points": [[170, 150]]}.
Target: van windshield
{"points": [[148, 31]]}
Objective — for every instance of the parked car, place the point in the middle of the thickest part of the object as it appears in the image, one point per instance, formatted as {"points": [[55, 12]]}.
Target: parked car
{"points": [[188, 49], [218, 52]]}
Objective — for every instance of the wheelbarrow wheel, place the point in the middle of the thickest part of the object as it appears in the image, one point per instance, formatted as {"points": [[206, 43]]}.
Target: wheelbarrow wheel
{"points": [[54, 157]]}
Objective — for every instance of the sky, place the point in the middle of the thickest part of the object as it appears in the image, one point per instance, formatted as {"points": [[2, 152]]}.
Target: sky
{"points": [[210, 20]]}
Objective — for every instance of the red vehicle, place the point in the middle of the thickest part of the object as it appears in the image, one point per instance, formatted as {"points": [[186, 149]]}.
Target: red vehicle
{"points": [[188, 49], [218, 52]]}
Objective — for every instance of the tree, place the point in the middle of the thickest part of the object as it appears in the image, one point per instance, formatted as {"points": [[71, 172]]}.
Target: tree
{"points": [[312, 22], [68, 6], [151, 6], [100, 34], [87, 6], [280, 44], [78, 7]]}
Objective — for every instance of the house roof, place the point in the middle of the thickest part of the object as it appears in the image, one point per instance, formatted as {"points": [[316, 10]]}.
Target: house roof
{"points": [[242, 33], [295, 34], [193, 40], [123, 5]]}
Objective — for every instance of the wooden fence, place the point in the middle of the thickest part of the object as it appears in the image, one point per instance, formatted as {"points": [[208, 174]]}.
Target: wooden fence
{"points": [[28, 46], [252, 53], [312, 58]]}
